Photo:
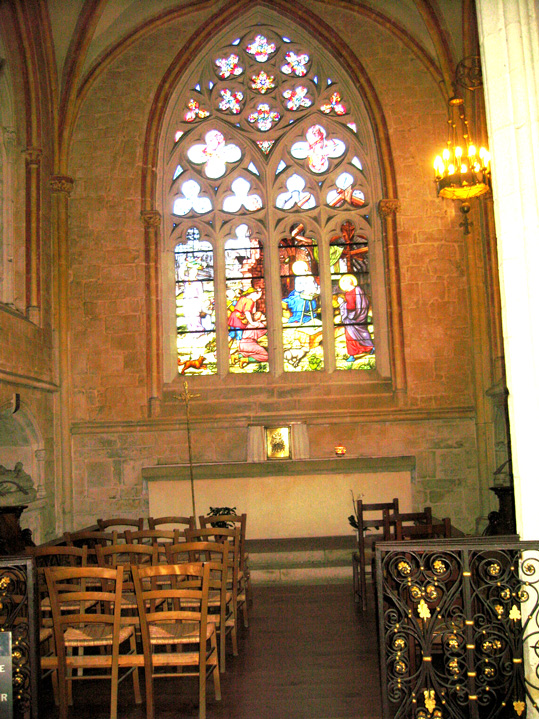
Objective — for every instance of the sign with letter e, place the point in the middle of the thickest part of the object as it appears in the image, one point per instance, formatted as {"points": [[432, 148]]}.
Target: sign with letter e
{"points": [[6, 677]]}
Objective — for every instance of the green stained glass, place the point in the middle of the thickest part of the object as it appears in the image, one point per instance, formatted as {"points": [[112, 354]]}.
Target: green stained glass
{"points": [[300, 302], [195, 305]]}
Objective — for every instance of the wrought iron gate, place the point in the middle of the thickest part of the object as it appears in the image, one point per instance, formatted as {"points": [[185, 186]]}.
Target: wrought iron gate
{"points": [[458, 628]]}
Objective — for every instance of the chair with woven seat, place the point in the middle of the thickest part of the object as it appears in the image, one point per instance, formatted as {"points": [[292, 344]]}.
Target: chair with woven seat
{"points": [[127, 555], [435, 529], [230, 521], [87, 631], [235, 580], [173, 609], [369, 516], [172, 522], [153, 536], [220, 600], [120, 524]]}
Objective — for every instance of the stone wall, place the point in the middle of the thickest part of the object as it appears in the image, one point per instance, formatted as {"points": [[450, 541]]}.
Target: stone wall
{"points": [[112, 437]]}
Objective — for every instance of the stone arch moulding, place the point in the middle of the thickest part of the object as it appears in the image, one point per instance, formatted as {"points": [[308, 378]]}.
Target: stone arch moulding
{"points": [[307, 26], [21, 440]]}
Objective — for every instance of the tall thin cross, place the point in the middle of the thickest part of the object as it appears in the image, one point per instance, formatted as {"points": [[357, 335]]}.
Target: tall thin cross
{"points": [[185, 396]]}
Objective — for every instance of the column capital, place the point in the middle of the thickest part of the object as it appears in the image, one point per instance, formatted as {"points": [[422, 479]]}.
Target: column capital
{"points": [[33, 155], [387, 207], [150, 218], [61, 183]]}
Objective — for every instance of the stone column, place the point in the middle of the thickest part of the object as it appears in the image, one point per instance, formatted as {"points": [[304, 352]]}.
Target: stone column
{"points": [[151, 220], [61, 187], [509, 42], [388, 209], [8, 138], [33, 234]]}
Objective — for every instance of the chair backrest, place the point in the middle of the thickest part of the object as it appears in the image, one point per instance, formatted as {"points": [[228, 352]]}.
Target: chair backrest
{"points": [[410, 519], [425, 530], [228, 521], [126, 554], [221, 535], [153, 536], [189, 552], [67, 586], [54, 556], [171, 594], [120, 524], [90, 539], [172, 522]]}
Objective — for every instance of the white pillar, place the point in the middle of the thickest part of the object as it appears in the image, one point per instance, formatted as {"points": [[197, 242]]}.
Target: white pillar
{"points": [[509, 41]]}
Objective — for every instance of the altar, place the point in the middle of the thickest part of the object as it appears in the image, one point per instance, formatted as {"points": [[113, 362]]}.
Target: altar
{"points": [[283, 498]]}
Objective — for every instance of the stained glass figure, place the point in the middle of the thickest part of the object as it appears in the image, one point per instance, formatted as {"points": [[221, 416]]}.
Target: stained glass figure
{"points": [[354, 345], [241, 197], [246, 303], [345, 192], [195, 306], [295, 64], [296, 196], [190, 200], [297, 98], [260, 48], [231, 101], [301, 305], [214, 154], [264, 117], [334, 105], [263, 82], [265, 145], [317, 149], [229, 67], [194, 112]]}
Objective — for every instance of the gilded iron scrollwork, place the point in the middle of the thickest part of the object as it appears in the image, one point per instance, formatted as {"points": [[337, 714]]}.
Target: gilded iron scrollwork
{"points": [[18, 616], [460, 629]]}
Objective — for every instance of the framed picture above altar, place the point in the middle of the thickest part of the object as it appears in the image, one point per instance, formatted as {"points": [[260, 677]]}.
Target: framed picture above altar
{"points": [[278, 442]]}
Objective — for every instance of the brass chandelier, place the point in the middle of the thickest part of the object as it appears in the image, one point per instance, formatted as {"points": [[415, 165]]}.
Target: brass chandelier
{"points": [[462, 171]]}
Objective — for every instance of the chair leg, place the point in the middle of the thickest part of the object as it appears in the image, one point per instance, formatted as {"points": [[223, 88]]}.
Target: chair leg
{"points": [[355, 578], [150, 710], [136, 679], [216, 677]]}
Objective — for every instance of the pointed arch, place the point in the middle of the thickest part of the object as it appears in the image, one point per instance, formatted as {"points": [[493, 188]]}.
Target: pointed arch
{"points": [[157, 154]]}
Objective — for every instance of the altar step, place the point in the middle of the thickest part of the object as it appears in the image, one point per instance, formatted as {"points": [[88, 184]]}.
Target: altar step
{"points": [[304, 560]]}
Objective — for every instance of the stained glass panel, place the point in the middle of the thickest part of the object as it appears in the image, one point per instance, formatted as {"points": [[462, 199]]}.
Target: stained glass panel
{"points": [[231, 101], [242, 197], [352, 314], [263, 82], [297, 98], [195, 306], [214, 154], [295, 195], [228, 66], [300, 302], [317, 149], [295, 64], [263, 117], [246, 303], [190, 199], [260, 48]]}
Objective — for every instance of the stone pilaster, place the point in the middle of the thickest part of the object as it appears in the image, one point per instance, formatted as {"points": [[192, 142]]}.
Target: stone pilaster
{"points": [[61, 187], [33, 234], [151, 219]]}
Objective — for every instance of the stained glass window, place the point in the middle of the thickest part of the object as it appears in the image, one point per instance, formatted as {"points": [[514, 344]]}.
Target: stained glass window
{"points": [[195, 305], [270, 182], [349, 266], [246, 302], [301, 303]]}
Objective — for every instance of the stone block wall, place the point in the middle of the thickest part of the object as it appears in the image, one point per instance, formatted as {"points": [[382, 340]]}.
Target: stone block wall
{"points": [[113, 439]]}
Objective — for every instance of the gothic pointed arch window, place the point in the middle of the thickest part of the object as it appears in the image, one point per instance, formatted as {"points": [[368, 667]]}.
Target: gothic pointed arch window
{"points": [[268, 196]]}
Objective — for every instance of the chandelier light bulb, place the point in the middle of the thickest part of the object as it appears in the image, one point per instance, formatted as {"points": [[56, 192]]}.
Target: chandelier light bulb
{"points": [[451, 169], [458, 151], [464, 168], [471, 151], [445, 154]]}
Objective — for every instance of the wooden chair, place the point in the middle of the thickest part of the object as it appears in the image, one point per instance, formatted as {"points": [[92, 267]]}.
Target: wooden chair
{"points": [[153, 536], [127, 555], [238, 521], [85, 630], [411, 519], [168, 625], [120, 524], [235, 581], [172, 522], [220, 600], [366, 522], [434, 530]]}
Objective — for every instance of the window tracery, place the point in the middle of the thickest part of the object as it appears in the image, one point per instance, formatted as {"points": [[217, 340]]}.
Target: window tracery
{"points": [[268, 167]]}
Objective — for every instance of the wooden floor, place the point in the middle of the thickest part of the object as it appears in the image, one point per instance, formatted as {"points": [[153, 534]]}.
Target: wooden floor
{"points": [[309, 653]]}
